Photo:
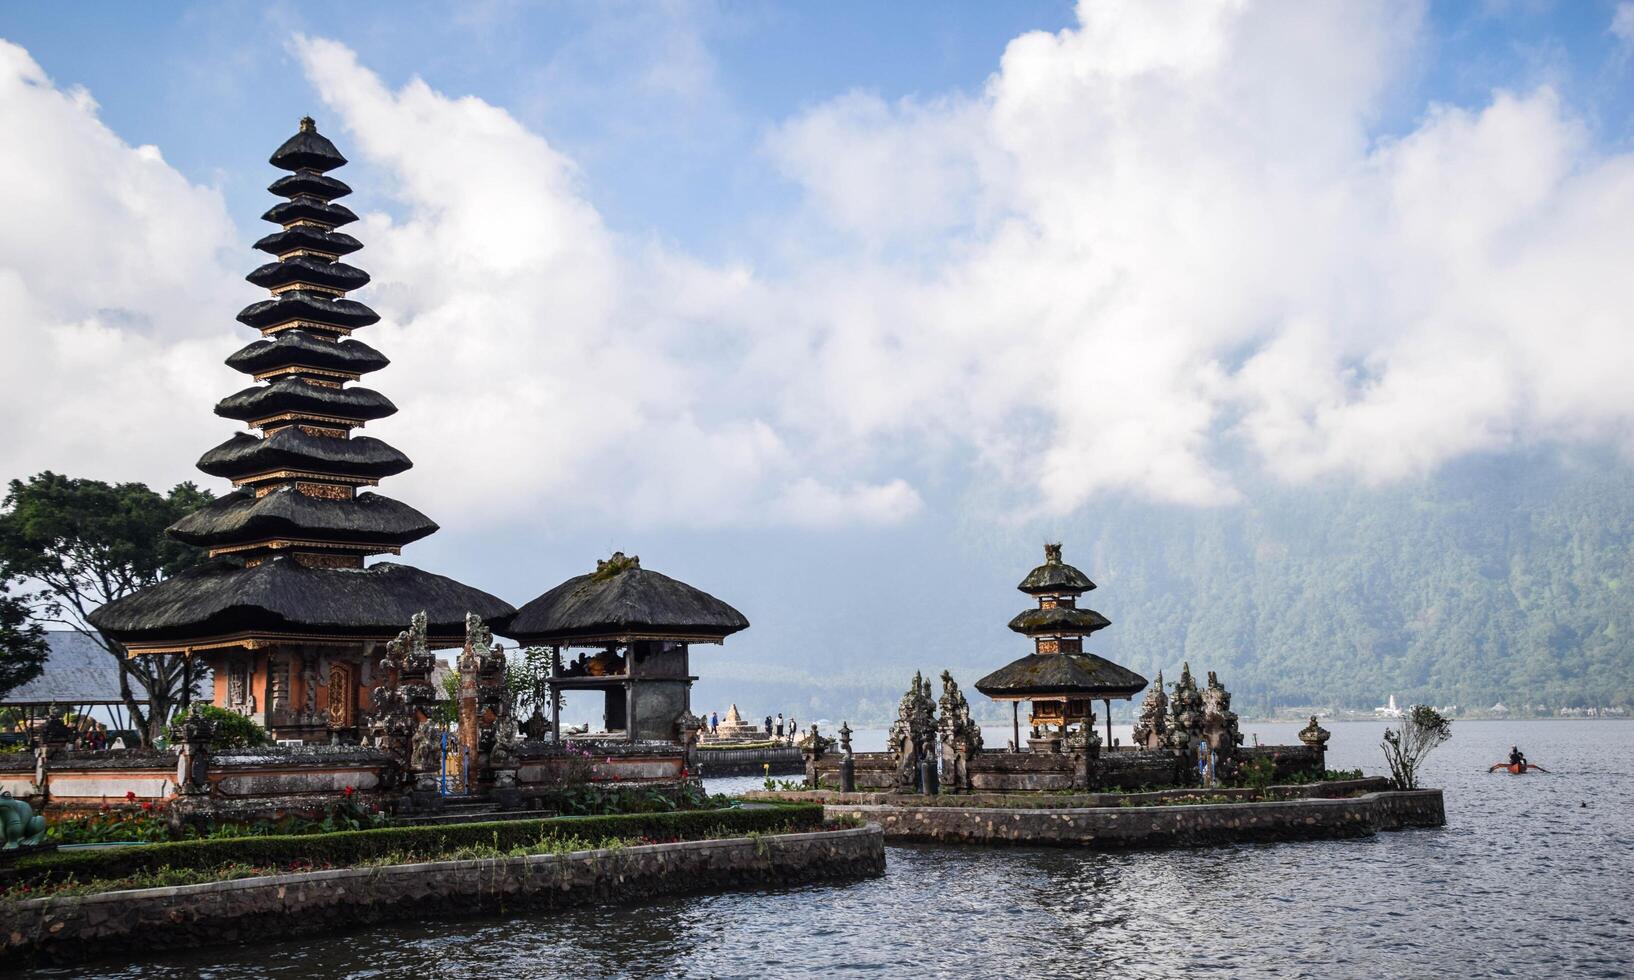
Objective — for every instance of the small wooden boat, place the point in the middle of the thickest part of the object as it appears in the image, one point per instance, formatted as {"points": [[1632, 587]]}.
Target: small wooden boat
{"points": [[1516, 768]]}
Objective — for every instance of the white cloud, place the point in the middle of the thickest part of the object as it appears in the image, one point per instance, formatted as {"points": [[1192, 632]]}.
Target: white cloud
{"points": [[1186, 241], [115, 306], [543, 365], [1154, 245], [1622, 22]]}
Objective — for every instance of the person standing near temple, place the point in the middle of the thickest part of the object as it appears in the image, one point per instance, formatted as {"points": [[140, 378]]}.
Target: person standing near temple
{"points": [[780, 724], [794, 728], [714, 722], [768, 726]]}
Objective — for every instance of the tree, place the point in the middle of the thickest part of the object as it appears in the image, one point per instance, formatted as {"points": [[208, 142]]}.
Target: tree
{"points": [[73, 545], [1406, 746], [23, 650]]}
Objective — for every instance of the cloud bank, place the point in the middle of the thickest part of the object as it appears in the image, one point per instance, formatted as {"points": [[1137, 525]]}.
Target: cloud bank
{"points": [[1156, 249]]}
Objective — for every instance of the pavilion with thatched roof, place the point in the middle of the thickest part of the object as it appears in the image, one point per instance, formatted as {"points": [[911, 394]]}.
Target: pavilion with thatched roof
{"points": [[640, 623]]}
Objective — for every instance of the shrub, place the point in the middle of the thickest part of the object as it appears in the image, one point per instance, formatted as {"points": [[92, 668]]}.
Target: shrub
{"points": [[1406, 746], [232, 730], [352, 847], [1257, 773]]}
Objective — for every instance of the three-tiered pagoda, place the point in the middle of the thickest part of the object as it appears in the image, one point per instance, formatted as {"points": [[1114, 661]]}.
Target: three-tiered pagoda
{"points": [[286, 612], [1058, 677]]}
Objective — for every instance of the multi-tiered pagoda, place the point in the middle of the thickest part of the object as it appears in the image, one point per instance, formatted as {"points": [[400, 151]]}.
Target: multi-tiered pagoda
{"points": [[286, 612], [1058, 677]]}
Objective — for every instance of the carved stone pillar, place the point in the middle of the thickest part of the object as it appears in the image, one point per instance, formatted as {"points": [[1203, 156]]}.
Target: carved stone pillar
{"points": [[812, 748], [193, 736], [1317, 737]]}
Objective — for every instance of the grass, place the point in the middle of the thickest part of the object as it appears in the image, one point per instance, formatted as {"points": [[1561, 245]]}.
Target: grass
{"points": [[27, 875], [494, 849]]}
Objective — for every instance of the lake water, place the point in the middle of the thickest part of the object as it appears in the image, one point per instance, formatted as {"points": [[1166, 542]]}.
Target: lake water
{"points": [[1532, 876]]}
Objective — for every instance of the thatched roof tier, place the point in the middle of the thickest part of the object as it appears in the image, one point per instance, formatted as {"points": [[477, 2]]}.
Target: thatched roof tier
{"points": [[298, 541], [1059, 621], [621, 602], [306, 209], [282, 596], [309, 270], [321, 186], [307, 236], [1061, 675], [295, 395], [291, 449], [286, 513], [1055, 577], [297, 348], [307, 150], [312, 307]]}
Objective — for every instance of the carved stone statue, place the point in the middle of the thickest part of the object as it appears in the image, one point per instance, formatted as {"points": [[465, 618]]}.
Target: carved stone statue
{"points": [[426, 760], [1220, 727], [1219, 721], [1316, 737], [502, 757], [911, 733], [1185, 713], [1152, 727], [812, 748], [392, 719], [1314, 734], [688, 729], [20, 826], [961, 736]]}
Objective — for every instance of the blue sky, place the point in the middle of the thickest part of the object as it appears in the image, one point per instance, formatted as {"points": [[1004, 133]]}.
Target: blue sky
{"points": [[212, 83], [840, 286]]}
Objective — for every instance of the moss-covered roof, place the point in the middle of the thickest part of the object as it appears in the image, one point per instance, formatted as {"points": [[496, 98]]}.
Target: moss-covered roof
{"points": [[283, 596], [621, 598], [1055, 577], [1078, 675], [1060, 620]]}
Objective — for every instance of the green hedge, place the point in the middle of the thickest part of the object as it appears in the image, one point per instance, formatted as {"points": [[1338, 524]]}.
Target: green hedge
{"points": [[349, 847]]}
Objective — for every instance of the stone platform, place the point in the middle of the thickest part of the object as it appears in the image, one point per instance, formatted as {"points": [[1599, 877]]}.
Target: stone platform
{"points": [[73, 928], [1324, 810], [1126, 827]]}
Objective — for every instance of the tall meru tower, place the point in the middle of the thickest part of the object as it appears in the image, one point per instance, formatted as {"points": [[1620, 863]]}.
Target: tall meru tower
{"points": [[286, 612]]}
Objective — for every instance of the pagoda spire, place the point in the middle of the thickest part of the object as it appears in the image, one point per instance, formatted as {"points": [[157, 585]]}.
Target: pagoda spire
{"points": [[298, 467], [1057, 625]]}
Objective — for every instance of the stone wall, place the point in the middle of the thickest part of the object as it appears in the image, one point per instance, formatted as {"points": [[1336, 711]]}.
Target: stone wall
{"points": [[1332, 789], [780, 760], [1290, 759], [1156, 826], [873, 770], [1137, 769], [283, 905], [541, 763], [1000, 771]]}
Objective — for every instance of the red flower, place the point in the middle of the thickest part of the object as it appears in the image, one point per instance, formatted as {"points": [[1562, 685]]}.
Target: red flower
{"points": [[147, 804], [130, 796], [348, 791]]}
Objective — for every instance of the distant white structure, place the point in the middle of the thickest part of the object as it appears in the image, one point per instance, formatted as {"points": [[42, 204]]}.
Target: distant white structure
{"points": [[1388, 710], [1499, 709]]}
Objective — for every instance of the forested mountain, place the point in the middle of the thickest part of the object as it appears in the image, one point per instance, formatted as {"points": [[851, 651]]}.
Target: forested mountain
{"points": [[1507, 578]]}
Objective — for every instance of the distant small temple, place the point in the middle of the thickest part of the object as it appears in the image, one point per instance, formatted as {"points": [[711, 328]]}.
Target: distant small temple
{"points": [[1178, 740], [286, 614]]}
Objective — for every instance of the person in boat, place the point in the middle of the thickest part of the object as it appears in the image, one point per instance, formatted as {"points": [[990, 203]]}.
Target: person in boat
{"points": [[1516, 756]]}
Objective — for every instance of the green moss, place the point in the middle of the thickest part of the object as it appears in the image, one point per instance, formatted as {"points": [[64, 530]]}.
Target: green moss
{"points": [[349, 848]]}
